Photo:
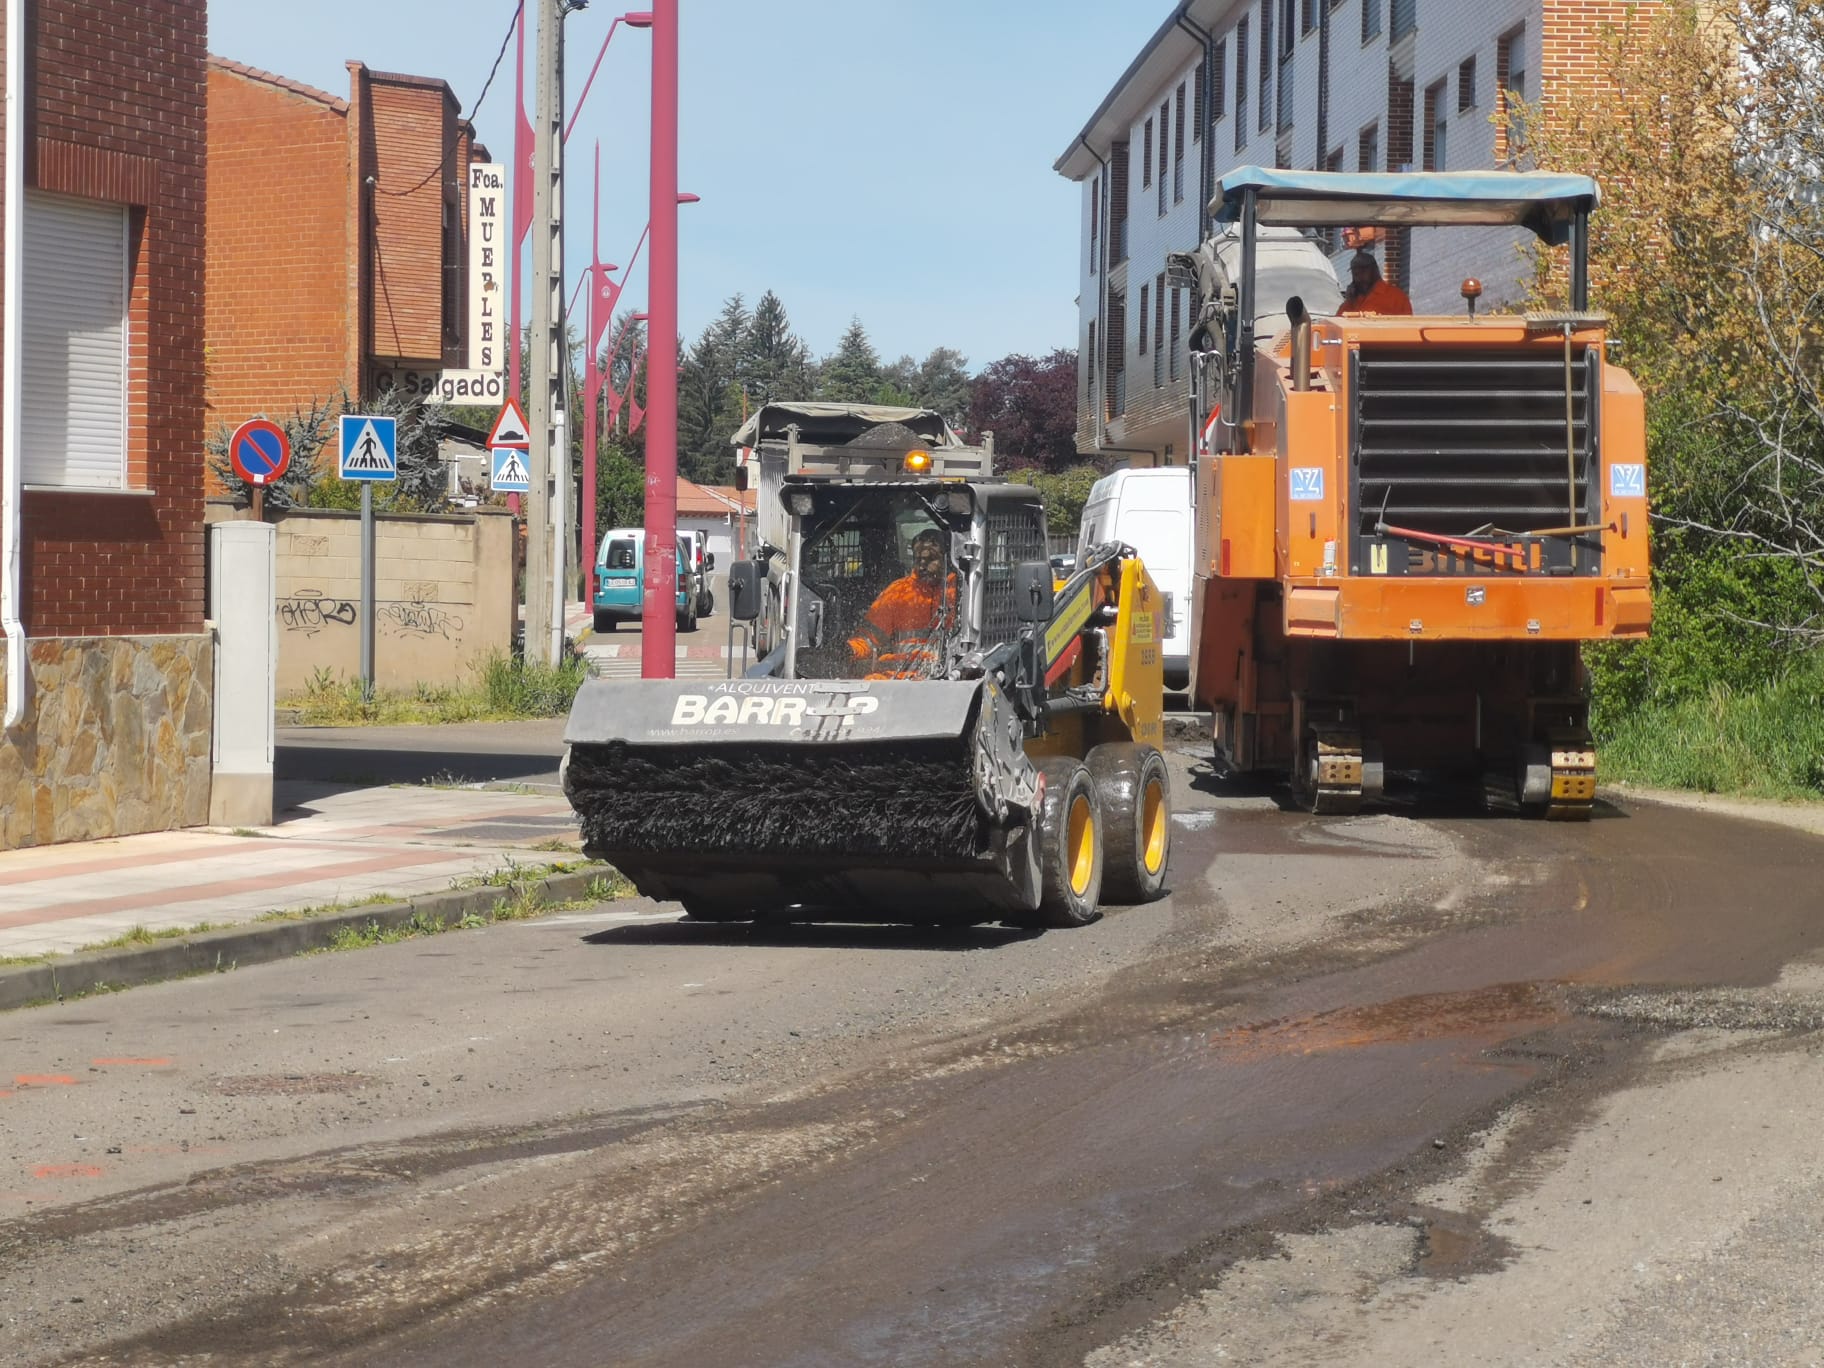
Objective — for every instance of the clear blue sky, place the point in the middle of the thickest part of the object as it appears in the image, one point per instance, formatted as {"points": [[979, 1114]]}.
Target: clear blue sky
{"points": [[887, 159]]}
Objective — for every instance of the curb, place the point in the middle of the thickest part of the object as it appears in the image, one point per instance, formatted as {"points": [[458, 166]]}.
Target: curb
{"points": [[134, 966]]}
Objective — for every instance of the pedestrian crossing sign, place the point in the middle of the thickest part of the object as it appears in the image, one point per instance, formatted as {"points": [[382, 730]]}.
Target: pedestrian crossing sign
{"points": [[507, 471], [370, 448]]}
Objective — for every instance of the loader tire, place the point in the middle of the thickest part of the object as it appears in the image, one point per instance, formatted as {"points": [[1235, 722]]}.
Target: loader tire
{"points": [[1070, 846], [1136, 797]]}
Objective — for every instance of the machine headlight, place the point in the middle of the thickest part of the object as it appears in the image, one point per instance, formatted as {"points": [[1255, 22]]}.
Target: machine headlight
{"points": [[801, 503]]}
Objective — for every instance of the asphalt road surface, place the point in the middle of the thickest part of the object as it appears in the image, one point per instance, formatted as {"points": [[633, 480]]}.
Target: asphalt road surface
{"points": [[1417, 1086]]}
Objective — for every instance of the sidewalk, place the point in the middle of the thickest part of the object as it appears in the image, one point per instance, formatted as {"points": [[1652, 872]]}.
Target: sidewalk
{"points": [[332, 844]]}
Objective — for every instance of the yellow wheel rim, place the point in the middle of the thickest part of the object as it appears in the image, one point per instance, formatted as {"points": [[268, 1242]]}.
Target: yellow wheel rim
{"points": [[1153, 826], [1082, 844]]}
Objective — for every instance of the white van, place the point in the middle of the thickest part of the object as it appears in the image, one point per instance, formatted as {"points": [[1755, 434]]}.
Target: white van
{"points": [[1150, 510]]}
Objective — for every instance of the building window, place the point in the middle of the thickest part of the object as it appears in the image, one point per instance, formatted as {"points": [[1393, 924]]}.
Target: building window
{"points": [[1114, 396], [1241, 83], [73, 410], [1089, 366], [1404, 20], [1330, 239], [1146, 156], [1197, 105], [1178, 150], [1265, 93], [1466, 84], [452, 272], [1117, 203], [1368, 148], [1158, 330], [1144, 296], [1433, 155], [1371, 21], [1510, 91], [1165, 124], [1311, 14], [1288, 27], [1095, 219], [1177, 310], [1219, 89]]}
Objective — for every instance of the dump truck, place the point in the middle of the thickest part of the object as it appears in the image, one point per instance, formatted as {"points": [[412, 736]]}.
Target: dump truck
{"points": [[838, 440], [995, 756], [1405, 526]]}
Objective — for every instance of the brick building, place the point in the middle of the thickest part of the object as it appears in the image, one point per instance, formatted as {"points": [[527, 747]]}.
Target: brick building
{"points": [[1339, 85], [335, 237], [112, 726]]}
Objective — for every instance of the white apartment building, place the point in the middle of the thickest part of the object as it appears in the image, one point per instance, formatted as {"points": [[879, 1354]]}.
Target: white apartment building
{"points": [[1339, 85]]}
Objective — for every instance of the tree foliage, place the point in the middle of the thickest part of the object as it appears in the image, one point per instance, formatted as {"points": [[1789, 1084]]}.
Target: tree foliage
{"points": [[1065, 491], [1702, 126], [1031, 407], [852, 374], [310, 481]]}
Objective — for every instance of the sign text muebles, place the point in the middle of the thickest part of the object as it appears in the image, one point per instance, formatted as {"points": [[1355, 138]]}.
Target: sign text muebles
{"points": [[487, 259]]}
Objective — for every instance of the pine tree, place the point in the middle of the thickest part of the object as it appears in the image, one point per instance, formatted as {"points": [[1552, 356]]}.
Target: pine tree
{"points": [[852, 375], [774, 363]]}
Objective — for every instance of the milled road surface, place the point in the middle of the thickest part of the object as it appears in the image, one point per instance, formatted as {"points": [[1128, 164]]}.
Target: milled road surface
{"points": [[1421, 1085]]}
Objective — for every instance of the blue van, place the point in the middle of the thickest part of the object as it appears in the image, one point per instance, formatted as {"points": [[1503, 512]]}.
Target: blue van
{"points": [[620, 581]]}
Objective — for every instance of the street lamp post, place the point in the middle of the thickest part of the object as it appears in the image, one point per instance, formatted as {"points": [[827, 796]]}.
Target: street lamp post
{"points": [[658, 628]]}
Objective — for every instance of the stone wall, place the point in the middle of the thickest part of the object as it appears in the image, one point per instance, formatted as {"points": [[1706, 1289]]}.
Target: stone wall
{"points": [[443, 595], [116, 739]]}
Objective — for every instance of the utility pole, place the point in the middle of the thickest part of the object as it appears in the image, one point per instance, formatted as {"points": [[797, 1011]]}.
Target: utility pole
{"points": [[658, 627], [548, 455]]}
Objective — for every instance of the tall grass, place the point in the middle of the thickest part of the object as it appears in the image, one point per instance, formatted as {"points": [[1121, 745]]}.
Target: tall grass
{"points": [[1766, 741], [503, 689]]}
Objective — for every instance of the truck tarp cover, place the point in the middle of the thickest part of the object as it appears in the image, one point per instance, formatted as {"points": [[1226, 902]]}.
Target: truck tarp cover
{"points": [[1543, 201], [832, 424]]}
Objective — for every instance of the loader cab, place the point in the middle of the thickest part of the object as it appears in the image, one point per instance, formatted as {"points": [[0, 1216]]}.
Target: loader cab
{"points": [[865, 608]]}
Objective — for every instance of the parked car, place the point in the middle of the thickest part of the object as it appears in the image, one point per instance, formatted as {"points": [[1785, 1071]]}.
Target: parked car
{"points": [[701, 561], [1150, 510], [620, 576]]}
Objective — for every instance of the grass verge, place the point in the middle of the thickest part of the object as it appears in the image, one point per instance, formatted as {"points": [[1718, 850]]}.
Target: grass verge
{"points": [[503, 690], [1766, 742]]}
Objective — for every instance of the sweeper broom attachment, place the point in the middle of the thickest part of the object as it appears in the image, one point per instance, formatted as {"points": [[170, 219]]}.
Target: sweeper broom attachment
{"points": [[903, 800]]}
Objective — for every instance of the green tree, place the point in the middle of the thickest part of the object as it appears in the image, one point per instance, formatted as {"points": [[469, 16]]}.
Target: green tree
{"points": [[310, 481], [1702, 126], [774, 363], [851, 374], [709, 394], [1065, 491]]}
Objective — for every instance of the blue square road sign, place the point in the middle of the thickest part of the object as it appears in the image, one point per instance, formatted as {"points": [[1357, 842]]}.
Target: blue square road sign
{"points": [[369, 449]]}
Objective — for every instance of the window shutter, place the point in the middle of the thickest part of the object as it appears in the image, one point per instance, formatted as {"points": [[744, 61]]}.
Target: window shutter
{"points": [[73, 413]]}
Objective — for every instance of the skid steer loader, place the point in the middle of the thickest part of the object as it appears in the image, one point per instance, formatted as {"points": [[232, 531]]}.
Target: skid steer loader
{"points": [[997, 760]]}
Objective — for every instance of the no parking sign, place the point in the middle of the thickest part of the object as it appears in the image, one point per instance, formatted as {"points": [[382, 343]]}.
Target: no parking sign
{"points": [[259, 451]]}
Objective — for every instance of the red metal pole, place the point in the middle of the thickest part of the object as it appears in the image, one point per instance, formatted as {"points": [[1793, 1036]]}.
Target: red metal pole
{"points": [[522, 199], [591, 379], [658, 654]]}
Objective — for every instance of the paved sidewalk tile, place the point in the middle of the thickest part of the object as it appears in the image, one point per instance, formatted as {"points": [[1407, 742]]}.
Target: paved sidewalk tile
{"points": [[330, 845]]}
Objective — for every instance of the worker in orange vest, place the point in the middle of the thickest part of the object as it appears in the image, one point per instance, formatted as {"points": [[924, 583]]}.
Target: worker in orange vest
{"points": [[1368, 293], [902, 631]]}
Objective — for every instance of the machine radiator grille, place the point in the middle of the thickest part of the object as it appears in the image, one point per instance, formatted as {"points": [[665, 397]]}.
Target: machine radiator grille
{"points": [[1471, 442]]}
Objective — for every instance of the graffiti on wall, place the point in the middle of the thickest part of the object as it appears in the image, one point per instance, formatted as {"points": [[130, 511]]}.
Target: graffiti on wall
{"points": [[309, 612], [418, 619]]}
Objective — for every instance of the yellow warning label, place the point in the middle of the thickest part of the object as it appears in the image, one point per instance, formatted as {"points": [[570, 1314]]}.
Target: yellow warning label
{"points": [[1143, 626]]}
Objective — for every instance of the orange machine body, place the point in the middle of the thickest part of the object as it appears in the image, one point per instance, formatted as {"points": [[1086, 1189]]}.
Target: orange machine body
{"points": [[1419, 533]]}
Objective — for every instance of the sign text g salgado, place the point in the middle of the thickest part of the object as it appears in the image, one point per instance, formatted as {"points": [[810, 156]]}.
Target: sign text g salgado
{"points": [[487, 257]]}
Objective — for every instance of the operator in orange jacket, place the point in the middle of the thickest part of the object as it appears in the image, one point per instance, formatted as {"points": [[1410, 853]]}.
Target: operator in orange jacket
{"points": [[1368, 293], [900, 634]]}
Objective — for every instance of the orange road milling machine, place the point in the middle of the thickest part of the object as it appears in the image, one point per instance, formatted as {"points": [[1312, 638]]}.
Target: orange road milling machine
{"points": [[1406, 526]]}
